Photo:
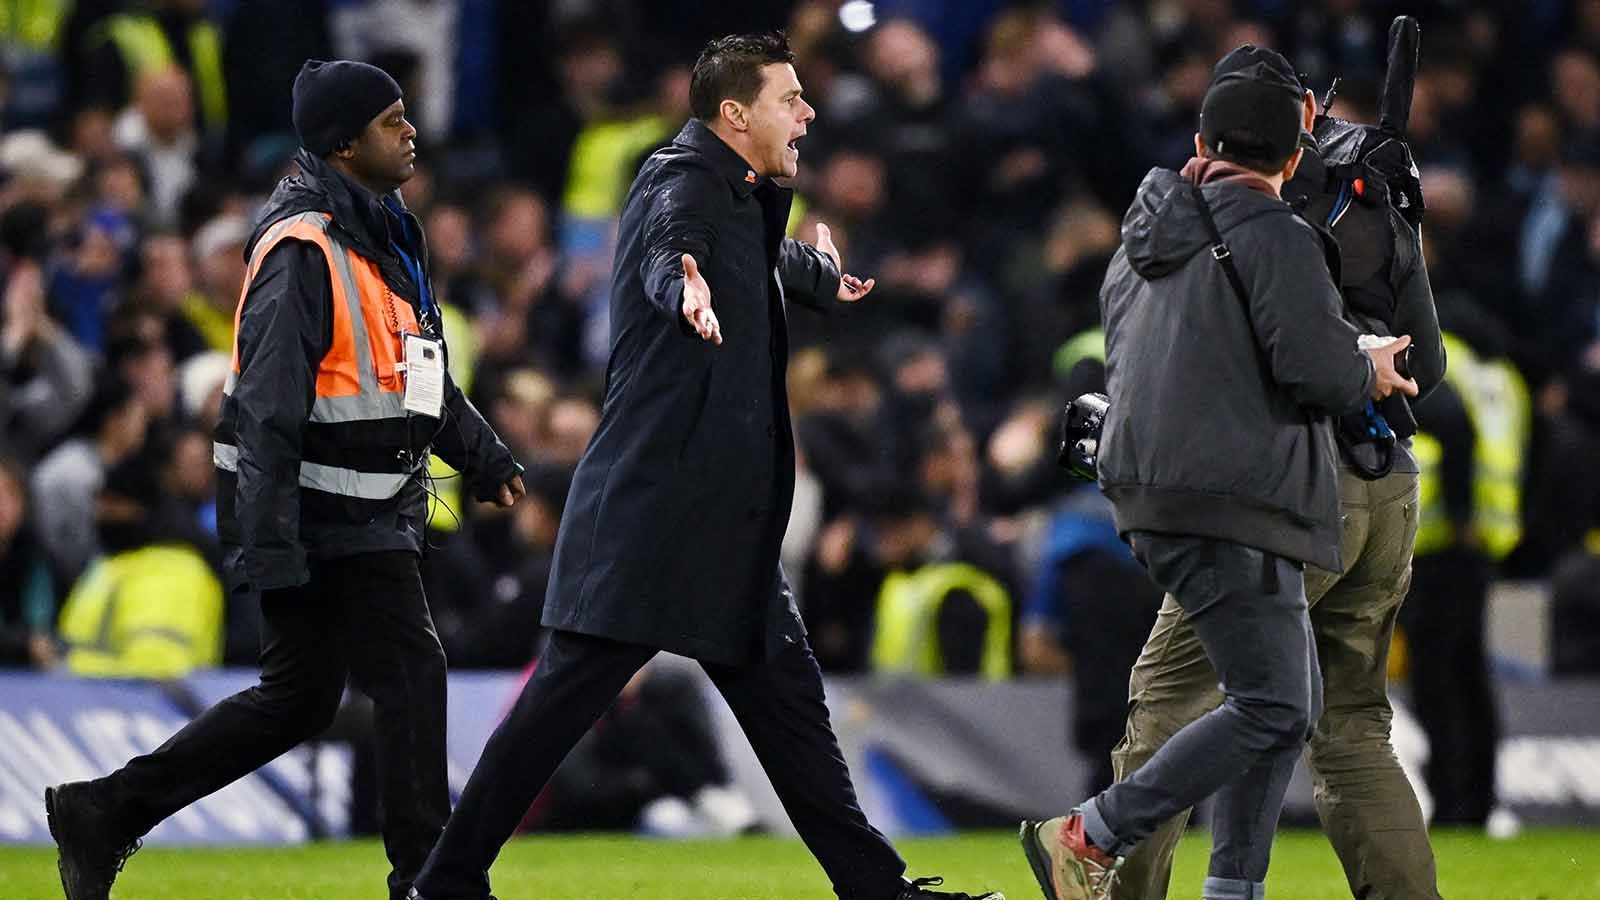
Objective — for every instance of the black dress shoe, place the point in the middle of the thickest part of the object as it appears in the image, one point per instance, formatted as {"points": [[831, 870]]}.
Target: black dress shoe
{"points": [[919, 890], [413, 895], [90, 849]]}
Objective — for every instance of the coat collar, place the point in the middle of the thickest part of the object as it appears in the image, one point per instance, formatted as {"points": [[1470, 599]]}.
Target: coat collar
{"points": [[357, 210], [697, 136]]}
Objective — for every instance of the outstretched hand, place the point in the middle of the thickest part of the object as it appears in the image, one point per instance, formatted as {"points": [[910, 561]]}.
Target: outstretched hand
{"points": [[697, 303], [851, 288]]}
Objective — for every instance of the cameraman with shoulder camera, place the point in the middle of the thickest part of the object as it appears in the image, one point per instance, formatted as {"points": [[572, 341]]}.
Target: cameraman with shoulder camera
{"points": [[1226, 354]]}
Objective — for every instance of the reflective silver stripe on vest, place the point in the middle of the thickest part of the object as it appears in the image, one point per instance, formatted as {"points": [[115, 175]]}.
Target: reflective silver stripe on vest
{"points": [[370, 403], [359, 407], [350, 483], [331, 479]]}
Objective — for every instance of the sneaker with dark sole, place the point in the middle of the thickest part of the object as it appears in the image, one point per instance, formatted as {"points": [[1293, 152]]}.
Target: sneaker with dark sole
{"points": [[919, 890], [1065, 864], [90, 852]]}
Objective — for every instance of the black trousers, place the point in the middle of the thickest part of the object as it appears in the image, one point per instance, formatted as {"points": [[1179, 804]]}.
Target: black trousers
{"points": [[779, 704], [364, 617], [1445, 620]]}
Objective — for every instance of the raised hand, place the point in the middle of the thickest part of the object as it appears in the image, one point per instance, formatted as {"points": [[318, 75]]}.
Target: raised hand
{"points": [[851, 288], [697, 302]]}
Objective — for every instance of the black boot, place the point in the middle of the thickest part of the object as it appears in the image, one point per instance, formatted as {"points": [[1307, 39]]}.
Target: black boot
{"points": [[91, 851]]}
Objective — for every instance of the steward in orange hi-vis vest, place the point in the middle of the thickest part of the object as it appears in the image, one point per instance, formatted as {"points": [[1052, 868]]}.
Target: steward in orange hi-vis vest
{"points": [[338, 393], [316, 452]]}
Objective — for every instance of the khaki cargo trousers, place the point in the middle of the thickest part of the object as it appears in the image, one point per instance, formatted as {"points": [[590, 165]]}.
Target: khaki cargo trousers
{"points": [[1365, 803]]}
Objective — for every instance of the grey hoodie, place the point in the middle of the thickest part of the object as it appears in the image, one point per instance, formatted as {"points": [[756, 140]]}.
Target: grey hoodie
{"points": [[1210, 433]]}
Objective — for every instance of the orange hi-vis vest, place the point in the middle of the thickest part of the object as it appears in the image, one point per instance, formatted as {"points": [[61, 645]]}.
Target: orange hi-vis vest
{"points": [[357, 442]]}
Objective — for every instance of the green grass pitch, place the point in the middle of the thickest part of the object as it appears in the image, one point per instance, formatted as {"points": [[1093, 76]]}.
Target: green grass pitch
{"points": [[1540, 865]]}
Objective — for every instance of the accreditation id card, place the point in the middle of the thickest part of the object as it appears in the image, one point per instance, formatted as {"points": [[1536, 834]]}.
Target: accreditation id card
{"points": [[424, 375]]}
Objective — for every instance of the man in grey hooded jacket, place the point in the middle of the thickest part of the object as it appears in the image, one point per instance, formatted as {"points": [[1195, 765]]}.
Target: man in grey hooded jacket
{"points": [[1223, 335]]}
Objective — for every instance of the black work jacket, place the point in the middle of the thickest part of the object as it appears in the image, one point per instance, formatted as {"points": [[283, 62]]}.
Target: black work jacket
{"points": [[270, 524]]}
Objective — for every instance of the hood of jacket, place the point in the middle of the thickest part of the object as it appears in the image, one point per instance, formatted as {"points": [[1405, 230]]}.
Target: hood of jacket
{"points": [[1163, 228]]}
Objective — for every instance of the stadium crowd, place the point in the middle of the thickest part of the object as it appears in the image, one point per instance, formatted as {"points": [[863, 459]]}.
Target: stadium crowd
{"points": [[973, 155]]}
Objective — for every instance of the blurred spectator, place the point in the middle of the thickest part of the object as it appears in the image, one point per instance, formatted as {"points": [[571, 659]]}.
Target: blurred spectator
{"points": [[568, 425], [1558, 268], [264, 44], [518, 408], [491, 587], [1089, 612], [84, 282], [907, 118], [841, 435], [66, 482], [897, 591], [218, 253], [189, 484], [1471, 445], [29, 68], [165, 292], [1033, 122], [27, 589], [452, 246], [138, 351], [45, 377], [36, 170], [153, 606], [122, 46], [588, 71], [1564, 501], [607, 153], [423, 31], [1059, 283], [158, 130], [535, 319], [1574, 612], [200, 382]]}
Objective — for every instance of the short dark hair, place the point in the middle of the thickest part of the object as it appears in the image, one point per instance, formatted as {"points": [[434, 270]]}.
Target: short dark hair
{"points": [[730, 68]]}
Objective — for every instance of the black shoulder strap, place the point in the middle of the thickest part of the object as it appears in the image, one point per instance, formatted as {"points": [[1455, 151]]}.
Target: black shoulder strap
{"points": [[1221, 253]]}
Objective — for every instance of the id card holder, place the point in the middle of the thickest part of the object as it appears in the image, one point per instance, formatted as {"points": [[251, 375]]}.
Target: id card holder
{"points": [[424, 375]]}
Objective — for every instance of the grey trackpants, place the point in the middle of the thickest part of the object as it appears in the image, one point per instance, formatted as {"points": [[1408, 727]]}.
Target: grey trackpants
{"points": [[1248, 611], [1366, 805]]}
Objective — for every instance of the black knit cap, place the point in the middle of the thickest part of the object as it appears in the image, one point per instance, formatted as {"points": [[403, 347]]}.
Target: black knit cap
{"points": [[335, 101], [1252, 109]]}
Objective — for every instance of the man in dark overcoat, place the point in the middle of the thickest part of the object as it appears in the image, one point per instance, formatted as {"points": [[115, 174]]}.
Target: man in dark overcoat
{"points": [[672, 528]]}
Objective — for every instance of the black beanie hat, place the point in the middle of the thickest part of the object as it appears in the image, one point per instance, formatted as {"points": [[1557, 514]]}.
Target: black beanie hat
{"points": [[1256, 97], [335, 101]]}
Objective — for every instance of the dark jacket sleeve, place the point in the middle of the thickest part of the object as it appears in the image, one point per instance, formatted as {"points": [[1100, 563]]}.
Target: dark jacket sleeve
{"points": [[468, 443], [808, 275], [1416, 315], [679, 217], [284, 331], [1445, 416], [1297, 310]]}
